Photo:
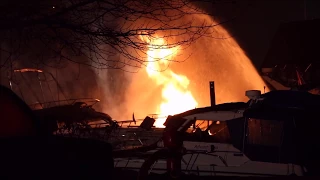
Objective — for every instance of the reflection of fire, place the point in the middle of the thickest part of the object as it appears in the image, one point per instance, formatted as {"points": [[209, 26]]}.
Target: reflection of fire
{"points": [[176, 96]]}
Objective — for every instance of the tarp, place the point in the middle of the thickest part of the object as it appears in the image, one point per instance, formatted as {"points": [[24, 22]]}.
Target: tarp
{"points": [[16, 118], [25, 156], [280, 105]]}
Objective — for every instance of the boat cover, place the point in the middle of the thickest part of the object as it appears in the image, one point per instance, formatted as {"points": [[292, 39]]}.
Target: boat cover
{"points": [[280, 105]]}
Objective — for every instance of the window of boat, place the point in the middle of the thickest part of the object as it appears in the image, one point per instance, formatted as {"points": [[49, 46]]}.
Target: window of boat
{"points": [[219, 131], [215, 131], [265, 132]]}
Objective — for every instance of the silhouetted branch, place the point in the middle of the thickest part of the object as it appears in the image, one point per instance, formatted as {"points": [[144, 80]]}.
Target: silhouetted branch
{"points": [[98, 33]]}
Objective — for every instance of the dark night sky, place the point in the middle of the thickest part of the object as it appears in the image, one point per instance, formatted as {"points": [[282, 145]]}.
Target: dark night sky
{"points": [[259, 20]]}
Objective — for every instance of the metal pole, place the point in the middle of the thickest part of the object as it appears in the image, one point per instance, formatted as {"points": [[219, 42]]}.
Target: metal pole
{"points": [[41, 88], [212, 94]]}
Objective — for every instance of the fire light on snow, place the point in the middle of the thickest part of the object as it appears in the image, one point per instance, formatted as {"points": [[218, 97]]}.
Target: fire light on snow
{"points": [[176, 97]]}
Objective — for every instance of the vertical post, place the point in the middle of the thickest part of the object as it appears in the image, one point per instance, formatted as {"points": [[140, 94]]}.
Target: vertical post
{"points": [[212, 94], [41, 88]]}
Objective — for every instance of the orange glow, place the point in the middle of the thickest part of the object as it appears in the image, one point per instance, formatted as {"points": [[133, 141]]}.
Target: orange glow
{"points": [[176, 97]]}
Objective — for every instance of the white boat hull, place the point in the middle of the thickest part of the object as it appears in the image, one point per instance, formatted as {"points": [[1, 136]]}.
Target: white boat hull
{"points": [[204, 163]]}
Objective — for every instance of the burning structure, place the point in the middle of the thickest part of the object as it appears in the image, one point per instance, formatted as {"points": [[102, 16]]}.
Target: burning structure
{"points": [[292, 60]]}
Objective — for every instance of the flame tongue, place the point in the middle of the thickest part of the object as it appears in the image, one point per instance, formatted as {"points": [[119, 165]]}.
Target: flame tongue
{"points": [[176, 97]]}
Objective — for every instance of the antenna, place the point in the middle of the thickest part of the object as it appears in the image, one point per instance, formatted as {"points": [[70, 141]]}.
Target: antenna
{"points": [[212, 94], [134, 119]]}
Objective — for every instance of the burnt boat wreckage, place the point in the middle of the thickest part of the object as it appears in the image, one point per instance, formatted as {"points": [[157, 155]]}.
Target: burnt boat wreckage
{"points": [[270, 135], [68, 117], [61, 115]]}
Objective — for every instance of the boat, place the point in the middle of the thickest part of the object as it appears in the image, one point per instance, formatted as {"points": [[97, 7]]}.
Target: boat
{"points": [[265, 136]]}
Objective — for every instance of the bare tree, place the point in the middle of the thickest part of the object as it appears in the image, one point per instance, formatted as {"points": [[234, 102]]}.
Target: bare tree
{"points": [[99, 33]]}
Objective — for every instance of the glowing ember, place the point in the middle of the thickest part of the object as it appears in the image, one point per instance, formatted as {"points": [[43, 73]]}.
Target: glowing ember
{"points": [[176, 97]]}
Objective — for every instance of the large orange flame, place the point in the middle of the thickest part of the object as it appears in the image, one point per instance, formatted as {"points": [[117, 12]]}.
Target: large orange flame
{"points": [[176, 97]]}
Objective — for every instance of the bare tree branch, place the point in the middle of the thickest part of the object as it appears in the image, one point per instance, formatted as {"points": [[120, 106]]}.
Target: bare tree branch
{"points": [[98, 33]]}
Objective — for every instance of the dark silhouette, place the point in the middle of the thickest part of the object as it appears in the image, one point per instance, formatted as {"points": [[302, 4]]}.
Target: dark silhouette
{"points": [[27, 151]]}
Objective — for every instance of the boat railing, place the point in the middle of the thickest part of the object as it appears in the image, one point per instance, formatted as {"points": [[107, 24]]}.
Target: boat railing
{"points": [[87, 101], [124, 135], [190, 167]]}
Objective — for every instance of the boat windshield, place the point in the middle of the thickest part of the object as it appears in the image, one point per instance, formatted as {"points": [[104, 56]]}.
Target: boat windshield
{"points": [[209, 131]]}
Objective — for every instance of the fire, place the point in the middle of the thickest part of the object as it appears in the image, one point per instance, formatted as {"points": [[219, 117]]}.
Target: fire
{"points": [[176, 97]]}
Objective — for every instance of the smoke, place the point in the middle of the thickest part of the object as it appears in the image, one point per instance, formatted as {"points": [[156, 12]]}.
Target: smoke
{"points": [[218, 59], [113, 85], [222, 61]]}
